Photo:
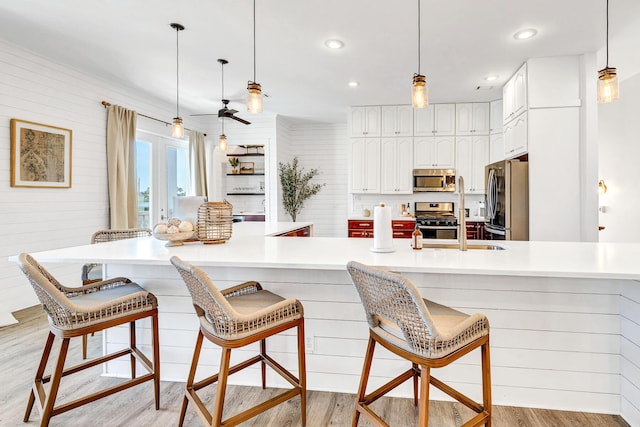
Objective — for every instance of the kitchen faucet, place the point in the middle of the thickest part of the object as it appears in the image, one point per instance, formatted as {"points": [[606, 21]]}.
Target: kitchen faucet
{"points": [[462, 222]]}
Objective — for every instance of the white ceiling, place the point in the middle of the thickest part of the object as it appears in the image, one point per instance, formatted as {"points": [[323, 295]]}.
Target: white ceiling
{"points": [[462, 42]]}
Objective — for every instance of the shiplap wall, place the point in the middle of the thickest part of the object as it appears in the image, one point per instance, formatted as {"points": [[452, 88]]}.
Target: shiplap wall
{"points": [[37, 89], [630, 353]]}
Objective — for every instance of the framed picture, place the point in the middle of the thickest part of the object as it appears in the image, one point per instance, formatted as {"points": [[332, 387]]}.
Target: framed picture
{"points": [[40, 155], [246, 168]]}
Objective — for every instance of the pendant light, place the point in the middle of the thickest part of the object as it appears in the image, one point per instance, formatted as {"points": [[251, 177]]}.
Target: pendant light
{"points": [[607, 77], [419, 95], [254, 96], [177, 130], [222, 141]]}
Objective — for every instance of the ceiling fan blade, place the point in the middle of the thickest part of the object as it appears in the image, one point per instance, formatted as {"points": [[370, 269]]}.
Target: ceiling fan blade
{"points": [[203, 114], [232, 111], [240, 120]]}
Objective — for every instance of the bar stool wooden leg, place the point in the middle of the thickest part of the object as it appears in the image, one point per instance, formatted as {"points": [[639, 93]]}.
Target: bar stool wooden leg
{"points": [[364, 379], [190, 378], [50, 400], [425, 379], [39, 373], [486, 381], [132, 345], [416, 373], [263, 365], [84, 346], [156, 359], [216, 415], [302, 374]]}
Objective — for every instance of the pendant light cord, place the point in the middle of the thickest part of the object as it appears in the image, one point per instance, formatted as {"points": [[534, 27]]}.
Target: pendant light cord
{"points": [[607, 33], [419, 36], [254, 41], [222, 91], [177, 73]]}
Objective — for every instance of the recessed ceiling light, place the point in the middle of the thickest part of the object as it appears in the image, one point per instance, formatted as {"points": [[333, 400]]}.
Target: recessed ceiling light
{"points": [[334, 44], [491, 78], [525, 34], [353, 84]]}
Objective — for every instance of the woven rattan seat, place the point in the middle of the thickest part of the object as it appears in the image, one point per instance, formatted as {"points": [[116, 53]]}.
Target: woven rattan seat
{"points": [[75, 312], [427, 334], [234, 318]]}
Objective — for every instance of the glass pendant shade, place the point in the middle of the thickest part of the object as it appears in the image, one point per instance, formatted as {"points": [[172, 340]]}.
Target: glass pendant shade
{"points": [[607, 85], [254, 97], [177, 131], [419, 96], [222, 143]]}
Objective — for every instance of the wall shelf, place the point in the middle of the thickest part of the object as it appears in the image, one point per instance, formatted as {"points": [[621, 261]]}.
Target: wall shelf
{"points": [[245, 174], [245, 194]]}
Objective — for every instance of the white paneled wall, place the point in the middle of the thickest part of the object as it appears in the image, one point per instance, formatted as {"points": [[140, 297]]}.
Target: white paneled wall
{"points": [[630, 353], [37, 89], [324, 147]]}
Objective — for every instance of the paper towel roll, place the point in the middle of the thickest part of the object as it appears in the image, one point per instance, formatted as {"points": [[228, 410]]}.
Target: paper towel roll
{"points": [[382, 229]]}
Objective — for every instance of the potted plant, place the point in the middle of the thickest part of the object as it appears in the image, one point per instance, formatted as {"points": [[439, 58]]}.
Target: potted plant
{"points": [[296, 187], [234, 162]]}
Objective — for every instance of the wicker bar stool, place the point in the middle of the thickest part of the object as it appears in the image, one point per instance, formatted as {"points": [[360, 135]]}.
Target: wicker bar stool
{"points": [[427, 334], [233, 318], [74, 312], [90, 272]]}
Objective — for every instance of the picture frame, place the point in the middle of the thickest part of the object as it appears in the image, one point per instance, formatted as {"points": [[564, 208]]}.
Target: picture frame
{"points": [[40, 155], [246, 168]]}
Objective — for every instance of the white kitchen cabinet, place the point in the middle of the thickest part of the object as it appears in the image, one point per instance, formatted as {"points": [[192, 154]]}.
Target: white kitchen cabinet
{"points": [[365, 165], [397, 120], [472, 118], [435, 120], [496, 147], [434, 152], [515, 137], [365, 121], [514, 95], [495, 116], [396, 158], [472, 155]]}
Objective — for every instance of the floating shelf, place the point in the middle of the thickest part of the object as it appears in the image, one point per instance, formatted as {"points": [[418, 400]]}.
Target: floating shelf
{"points": [[245, 194], [245, 174]]}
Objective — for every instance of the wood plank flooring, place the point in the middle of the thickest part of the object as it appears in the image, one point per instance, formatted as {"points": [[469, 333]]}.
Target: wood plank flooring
{"points": [[21, 347]]}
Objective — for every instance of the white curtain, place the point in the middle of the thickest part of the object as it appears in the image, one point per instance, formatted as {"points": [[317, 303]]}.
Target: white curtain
{"points": [[121, 167], [198, 163]]}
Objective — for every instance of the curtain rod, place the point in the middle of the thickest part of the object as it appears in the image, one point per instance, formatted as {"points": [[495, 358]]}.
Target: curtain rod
{"points": [[108, 104]]}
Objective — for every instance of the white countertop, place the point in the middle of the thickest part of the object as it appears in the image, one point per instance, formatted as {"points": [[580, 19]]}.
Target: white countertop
{"points": [[370, 218], [252, 246]]}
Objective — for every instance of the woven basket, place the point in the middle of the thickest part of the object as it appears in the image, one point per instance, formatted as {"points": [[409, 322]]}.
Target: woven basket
{"points": [[215, 220]]}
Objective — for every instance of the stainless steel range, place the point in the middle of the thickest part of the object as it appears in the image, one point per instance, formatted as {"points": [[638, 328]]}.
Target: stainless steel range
{"points": [[436, 220]]}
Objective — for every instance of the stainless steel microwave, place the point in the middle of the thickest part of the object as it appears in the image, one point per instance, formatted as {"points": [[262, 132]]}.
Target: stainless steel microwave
{"points": [[434, 180]]}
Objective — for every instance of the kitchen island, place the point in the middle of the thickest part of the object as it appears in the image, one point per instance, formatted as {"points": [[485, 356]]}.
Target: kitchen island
{"points": [[565, 317]]}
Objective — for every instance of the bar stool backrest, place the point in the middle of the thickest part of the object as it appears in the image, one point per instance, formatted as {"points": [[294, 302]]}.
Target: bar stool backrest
{"points": [[102, 236], [390, 297]]}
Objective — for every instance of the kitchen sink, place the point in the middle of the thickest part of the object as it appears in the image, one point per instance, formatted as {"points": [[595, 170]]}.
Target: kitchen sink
{"points": [[456, 246]]}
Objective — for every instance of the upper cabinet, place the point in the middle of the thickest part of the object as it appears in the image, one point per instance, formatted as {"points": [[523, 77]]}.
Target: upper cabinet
{"points": [[514, 95], [495, 115], [435, 120], [396, 156], [397, 120], [365, 121], [472, 118], [365, 165], [472, 155], [434, 152]]}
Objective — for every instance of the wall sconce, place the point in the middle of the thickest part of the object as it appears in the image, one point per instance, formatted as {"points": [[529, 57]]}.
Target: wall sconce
{"points": [[602, 187]]}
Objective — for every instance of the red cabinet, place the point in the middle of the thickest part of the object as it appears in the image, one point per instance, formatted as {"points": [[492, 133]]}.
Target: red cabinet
{"points": [[364, 228], [475, 230]]}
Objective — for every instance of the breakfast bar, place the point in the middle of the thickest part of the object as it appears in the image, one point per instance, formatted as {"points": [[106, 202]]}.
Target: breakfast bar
{"points": [[565, 317]]}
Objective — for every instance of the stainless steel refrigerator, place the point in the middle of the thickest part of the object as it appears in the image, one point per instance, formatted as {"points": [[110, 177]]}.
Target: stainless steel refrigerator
{"points": [[507, 200]]}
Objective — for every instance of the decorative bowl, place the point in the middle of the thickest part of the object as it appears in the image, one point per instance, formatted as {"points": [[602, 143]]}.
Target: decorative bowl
{"points": [[174, 239]]}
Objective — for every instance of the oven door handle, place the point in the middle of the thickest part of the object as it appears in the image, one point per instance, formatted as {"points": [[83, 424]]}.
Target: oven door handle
{"points": [[438, 227], [499, 232]]}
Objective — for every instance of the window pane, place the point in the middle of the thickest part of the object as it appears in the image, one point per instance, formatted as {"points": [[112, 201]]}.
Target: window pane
{"points": [[143, 164], [177, 174]]}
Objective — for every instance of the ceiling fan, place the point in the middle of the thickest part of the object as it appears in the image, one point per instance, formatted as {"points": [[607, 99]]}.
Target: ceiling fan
{"points": [[225, 111]]}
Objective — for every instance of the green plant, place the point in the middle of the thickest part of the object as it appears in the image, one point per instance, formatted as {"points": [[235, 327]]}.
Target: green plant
{"points": [[296, 187], [234, 162]]}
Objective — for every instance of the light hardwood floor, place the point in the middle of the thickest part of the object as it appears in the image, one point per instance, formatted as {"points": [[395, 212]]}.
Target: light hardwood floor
{"points": [[21, 347]]}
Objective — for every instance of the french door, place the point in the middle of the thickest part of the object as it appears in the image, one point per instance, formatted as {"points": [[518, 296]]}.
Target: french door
{"points": [[163, 173]]}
